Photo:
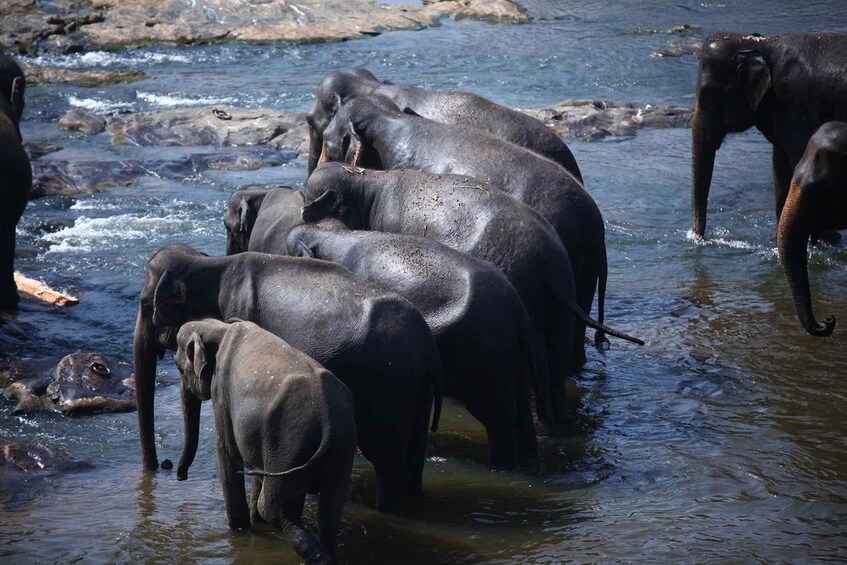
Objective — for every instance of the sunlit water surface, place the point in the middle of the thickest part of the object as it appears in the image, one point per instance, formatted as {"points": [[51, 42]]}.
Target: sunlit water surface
{"points": [[722, 439]]}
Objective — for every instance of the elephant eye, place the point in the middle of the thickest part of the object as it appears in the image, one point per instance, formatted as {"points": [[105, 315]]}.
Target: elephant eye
{"points": [[100, 369]]}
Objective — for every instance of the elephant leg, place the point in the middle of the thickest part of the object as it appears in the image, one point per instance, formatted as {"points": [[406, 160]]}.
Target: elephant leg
{"points": [[543, 404], [495, 410], [231, 467], [255, 494], [284, 498], [331, 504], [419, 433], [8, 289], [527, 443], [559, 345]]}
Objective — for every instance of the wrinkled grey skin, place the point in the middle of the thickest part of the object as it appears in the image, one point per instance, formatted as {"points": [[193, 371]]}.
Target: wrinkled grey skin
{"points": [[374, 341], [470, 216], [15, 174], [479, 322], [247, 229], [370, 130], [80, 383], [787, 86], [456, 108], [279, 413], [816, 202]]}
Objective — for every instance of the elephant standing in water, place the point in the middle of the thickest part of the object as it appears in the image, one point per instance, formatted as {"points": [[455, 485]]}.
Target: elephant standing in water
{"points": [[472, 217], [374, 341], [248, 230], [278, 411], [372, 132], [479, 322], [787, 86], [457, 108], [15, 174], [817, 201]]}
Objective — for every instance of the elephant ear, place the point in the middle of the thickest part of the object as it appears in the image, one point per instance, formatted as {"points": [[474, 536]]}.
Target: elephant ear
{"points": [[17, 96], [196, 351], [757, 75], [411, 112], [324, 205]]}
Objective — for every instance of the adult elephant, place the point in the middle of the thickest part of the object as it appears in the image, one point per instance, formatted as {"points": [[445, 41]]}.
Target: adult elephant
{"points": [[787, 86], [817, 201], [457, 108], [374, 341], [371, 131], [15, 174], [244, 224], [479, 322], [472, 217]]}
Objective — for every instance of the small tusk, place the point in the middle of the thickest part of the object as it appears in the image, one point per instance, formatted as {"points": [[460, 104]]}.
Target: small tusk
{"points": [[323, 158], [357, 156]]}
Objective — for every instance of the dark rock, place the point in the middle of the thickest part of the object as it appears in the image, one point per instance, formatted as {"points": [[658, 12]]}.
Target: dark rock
{"points": [[35, 150], [79, 383], [28, 459]]}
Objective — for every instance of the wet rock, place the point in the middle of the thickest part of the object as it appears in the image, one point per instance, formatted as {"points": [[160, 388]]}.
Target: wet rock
{"points": [[202, 126], [36, 150], [60, 177], [680, 48], [79, 383], [595, 119], [38, 74], [82, 121], [27, 459]]}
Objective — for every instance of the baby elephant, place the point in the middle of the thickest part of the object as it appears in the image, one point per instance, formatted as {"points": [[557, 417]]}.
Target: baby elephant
{"points": [[277, 411]]}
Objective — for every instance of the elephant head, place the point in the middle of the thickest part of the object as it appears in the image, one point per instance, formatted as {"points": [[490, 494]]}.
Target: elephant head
{"points": [[165, 304], [197, 347], [333, 91], [734, 78], [12, 86], [817, 201], [340, 192], [241, 213], [348, 137]]}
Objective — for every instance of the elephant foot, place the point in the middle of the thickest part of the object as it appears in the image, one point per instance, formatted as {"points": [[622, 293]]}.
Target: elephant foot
{"points": [[826, 238]]}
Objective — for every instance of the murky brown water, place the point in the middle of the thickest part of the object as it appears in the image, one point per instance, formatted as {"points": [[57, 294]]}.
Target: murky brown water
{"points": [[722, 440]]}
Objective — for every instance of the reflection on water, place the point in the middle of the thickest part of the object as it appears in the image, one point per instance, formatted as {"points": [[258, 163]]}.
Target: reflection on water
{"points": [[721, 440]]}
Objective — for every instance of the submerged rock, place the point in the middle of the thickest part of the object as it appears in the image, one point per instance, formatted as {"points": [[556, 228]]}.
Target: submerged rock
{"points": [[595, 119], [680, 48], [18, 458], [38, 74], [79, 383]]}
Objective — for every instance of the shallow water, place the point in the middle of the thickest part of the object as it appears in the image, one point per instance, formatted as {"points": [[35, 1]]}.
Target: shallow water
{"points": [[721, 440]]}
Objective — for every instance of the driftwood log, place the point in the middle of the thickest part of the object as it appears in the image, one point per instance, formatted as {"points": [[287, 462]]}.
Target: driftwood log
{"points": [[41, 291]]}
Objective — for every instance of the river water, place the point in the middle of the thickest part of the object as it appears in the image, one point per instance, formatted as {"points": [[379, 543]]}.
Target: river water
{"points": [[721, 440]]}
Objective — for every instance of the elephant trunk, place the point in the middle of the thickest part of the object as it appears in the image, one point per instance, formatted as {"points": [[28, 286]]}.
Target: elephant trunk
{"points": [[315, 146], [792, 241], [191, 423], [704, 145], [144, 350]]}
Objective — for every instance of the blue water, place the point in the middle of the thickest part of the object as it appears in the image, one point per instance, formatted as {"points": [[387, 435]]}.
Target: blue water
{"points": [[720, 440]]}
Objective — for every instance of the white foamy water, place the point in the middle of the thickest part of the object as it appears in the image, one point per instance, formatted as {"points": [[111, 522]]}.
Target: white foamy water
{"points": [[96, 105], [174, 99], [106, 59]]}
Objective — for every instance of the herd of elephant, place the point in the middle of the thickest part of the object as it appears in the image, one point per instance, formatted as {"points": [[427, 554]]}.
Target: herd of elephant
{"points": [[443, 245]]}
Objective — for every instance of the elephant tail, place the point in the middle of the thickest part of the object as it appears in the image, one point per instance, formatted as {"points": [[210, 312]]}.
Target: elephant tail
{"points": [[600, 341], [323, 447]]}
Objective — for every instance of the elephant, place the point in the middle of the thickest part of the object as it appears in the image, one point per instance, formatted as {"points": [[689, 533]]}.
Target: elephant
{"points": [[15, 175], [479, 323], [372, 132], [242, 219], [456, 108], [817, 201], [471, 216], [378, 344], [277, 411], [787, 86]]}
